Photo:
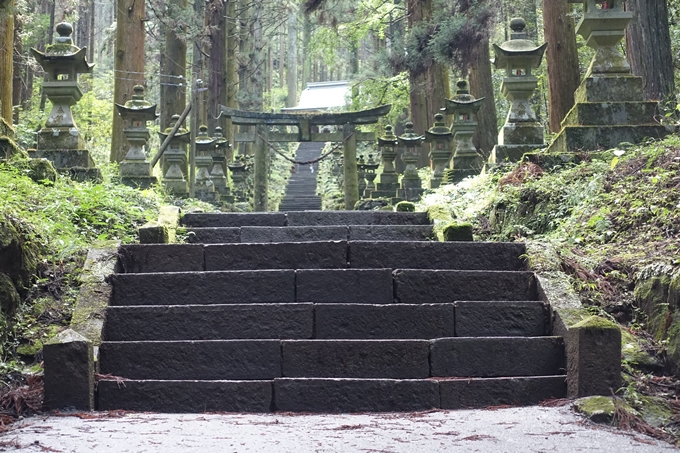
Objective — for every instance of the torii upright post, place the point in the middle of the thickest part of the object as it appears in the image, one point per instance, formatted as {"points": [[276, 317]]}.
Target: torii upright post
{"points": [[261, 176], [350, 167]]}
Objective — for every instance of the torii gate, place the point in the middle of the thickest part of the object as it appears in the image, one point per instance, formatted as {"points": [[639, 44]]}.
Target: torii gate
{"points": [[304, 122]]}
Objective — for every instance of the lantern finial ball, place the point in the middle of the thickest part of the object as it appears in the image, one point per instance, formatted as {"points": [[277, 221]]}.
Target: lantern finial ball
{"points": [[439, 117], [64, 29], [518, 25]]}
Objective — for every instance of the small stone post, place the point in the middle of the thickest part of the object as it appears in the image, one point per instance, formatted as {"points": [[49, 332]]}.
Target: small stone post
{"points": [[69, 372], [370, 166], [351, 181], [466, 160], [238, 176], [439, 137], [135, 169], [389, 178], [411, 184], [205, 147], [59, 140], [522, 132], [261, 177], [218, 172]]}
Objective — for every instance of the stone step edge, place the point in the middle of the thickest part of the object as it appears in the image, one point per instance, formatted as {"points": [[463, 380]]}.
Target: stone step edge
{"points": [[280, 394]]}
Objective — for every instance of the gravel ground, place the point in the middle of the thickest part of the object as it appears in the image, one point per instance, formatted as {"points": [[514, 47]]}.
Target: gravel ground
{"points": [[525, 430]]}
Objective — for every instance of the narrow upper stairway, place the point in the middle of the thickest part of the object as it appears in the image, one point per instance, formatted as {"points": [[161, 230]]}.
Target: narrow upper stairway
{"points": [[301, 189], [317, 311]]}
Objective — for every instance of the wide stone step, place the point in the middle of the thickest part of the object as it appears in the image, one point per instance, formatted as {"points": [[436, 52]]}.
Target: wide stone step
{"points": [[393, 359], [299, 218], [325, 395], [373, 286], [325, 321], [254, 248]]}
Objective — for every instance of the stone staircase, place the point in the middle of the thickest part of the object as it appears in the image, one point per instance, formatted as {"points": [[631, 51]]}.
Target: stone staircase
{"points": [[301, 189], [318, 311]]}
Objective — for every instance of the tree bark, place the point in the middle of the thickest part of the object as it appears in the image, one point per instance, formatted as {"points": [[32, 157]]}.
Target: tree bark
{"points": [[173, 71], [217, 78], [292, 75], [648, 48], [231, 74], [19, 74], [427, 90], [128, 66], [481, 86], [562, 60], [6, 62]]}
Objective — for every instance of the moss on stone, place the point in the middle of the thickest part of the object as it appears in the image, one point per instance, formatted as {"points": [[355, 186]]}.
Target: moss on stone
{"points": [[654, 410], [599, 409], [458, 232], [439, 213], [596, 322], [634, 353], [30, 349], [652, 295], [405, 206]]}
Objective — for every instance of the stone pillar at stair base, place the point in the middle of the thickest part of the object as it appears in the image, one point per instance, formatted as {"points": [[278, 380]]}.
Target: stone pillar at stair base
{"points": [[389, 178], [69, 372]]}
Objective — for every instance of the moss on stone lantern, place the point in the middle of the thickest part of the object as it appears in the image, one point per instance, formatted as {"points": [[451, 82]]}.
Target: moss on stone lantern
{"points": [[389, 178], [175, 163], [60, 140], [439, 137], [522, 132], [411, 184]]}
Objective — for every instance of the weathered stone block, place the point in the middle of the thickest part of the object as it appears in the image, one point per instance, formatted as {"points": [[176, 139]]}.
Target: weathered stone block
{"points": [[153, 233], [396, 359], [498, 356], [457, 232], [522, 134], [185, 396], [145, 258], [298, 218], [441, 286], [514, 391], [392, 233], [214, 235], [285, 255], [226, 287], [210, 322], [65, 158], [502, 319], [511, 153], [592, 138], [389, 321], [234, 219], [614, 113], [202, 360], [618, 88], [251, 234], [69, 372], [364, 286], [593, 357], [355, 395]]}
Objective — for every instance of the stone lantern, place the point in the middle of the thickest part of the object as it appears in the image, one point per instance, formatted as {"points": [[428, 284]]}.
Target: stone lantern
{"points": [[205, 146], [370, 167], [59, 140], [411, 185], [238, 175], [464, 107], [218, 173], [175, 164], [135, 169], [389, 178], [610, 107], [439, 137], [522, 132], [361, 174]]}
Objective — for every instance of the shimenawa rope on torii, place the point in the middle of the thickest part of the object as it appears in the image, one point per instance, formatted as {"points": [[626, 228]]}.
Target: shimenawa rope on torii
{"points": [[308, 162]]}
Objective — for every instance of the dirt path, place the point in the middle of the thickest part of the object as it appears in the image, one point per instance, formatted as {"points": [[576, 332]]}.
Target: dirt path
{"points": [[521, 430]]}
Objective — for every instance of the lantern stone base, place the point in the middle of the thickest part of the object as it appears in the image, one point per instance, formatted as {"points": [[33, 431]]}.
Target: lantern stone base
{"points": [[60, 138], [132, 169], [209, 196], [463, 166], [64, 158], [521, 134], [82, 174], [511, 153], [609, 88], [139, 182], [592, 138], [410, 193], [624, 113], [177, 187]]}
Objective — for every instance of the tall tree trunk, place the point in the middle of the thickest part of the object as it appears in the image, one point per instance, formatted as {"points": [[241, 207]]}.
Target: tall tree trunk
{"points": [[6, 63], [562, 59], [19, 74], [217, 78], [292, 75], [173, 68], [282, 55], [648, 48], [128, 65], [50, 36], [481, 86], [308, 71], [90, 38], [244, 50], [257, 62], [82, 27], [427, 90], [231, 80]]}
